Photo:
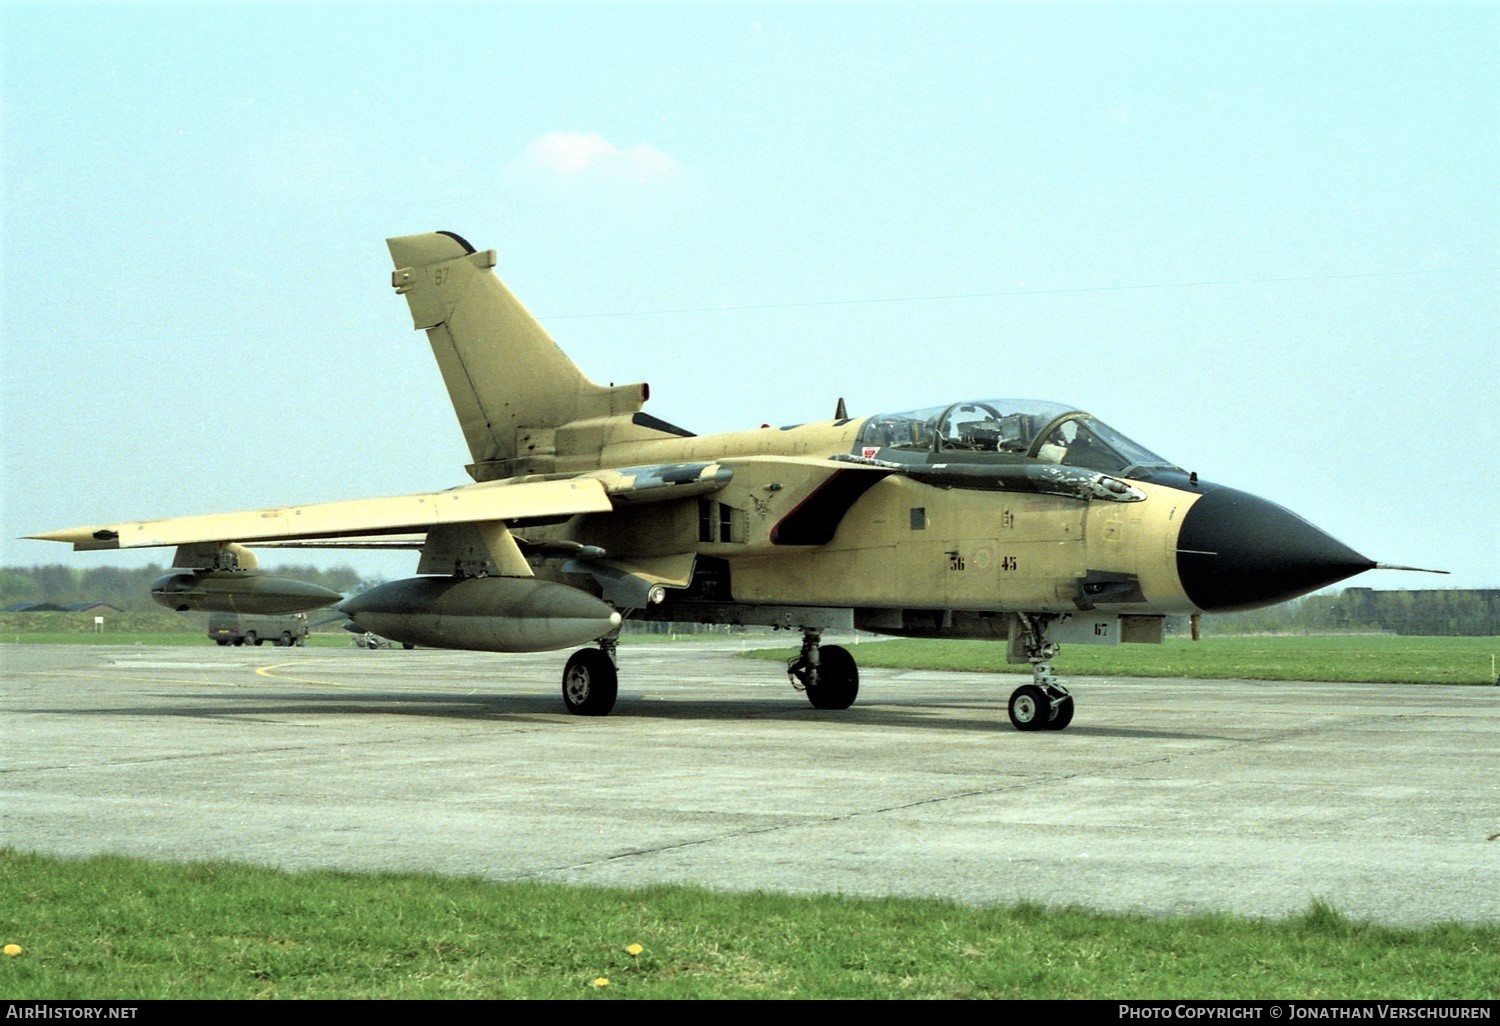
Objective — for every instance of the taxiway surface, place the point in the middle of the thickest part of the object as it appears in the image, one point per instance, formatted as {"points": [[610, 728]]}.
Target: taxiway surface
{"points": [[1163, 797]]}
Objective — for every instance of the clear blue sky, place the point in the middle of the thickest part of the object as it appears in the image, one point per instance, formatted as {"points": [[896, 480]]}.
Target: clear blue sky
{"points": [[1261, 239]]}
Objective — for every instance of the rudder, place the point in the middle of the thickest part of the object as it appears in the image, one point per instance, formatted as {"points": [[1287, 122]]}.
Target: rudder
{"points": [[510, 384]]}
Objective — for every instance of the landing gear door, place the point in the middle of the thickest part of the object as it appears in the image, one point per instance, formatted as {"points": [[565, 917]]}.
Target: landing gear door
{"points": [[1085, 629]]}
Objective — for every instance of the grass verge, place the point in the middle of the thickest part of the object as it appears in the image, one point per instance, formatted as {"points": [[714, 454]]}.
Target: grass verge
{"points": [[113, 927]]}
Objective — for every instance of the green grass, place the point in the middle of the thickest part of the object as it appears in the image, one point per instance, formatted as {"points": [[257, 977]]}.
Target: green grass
{"points": [[1352, 657], [1361, 657], [158, 627], [128, 929]]}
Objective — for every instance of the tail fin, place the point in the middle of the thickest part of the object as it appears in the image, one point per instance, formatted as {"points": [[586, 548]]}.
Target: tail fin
{"points": [[511, 386]]}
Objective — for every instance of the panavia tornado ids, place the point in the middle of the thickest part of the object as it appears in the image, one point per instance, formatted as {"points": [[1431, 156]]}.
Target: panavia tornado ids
{"points": [[1020, 521]]}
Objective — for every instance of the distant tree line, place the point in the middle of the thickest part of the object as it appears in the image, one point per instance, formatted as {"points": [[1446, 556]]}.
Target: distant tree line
{"points": [[1432, 612], [128, 589]]}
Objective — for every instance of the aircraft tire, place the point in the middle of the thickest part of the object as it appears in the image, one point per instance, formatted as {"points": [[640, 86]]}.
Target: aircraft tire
{"points": [[838, 679], [1028, 708], [1063, 716], [590, 683]]}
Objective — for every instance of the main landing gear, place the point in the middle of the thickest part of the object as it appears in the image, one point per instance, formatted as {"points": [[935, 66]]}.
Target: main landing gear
{"points": [[590, 682], [1044, 704], [827, 675]]}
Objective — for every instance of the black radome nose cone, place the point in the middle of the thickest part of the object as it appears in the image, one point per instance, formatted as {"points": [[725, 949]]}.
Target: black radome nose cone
{"points": [[1238, 551]]}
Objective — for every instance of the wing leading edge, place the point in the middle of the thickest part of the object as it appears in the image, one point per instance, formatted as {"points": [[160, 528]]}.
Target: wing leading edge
{"points": [[357, 520], [393, 514]]}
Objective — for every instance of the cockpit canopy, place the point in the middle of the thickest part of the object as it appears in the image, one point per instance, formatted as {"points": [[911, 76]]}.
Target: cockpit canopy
{"points": [[1003, 431]]}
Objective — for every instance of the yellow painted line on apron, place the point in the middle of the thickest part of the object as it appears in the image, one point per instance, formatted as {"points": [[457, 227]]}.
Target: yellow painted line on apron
{"points": [[270, 673]]}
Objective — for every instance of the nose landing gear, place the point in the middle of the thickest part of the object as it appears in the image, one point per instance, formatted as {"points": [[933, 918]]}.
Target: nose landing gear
{"points": [[1044, 704]]}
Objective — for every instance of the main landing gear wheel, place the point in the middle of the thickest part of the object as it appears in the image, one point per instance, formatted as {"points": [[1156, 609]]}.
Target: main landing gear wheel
{"points": [[837, 682], [828, 676], [590, 683]]}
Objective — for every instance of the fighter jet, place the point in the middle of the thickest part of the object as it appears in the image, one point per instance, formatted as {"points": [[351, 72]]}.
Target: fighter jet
{"points": [[1019, 521]]}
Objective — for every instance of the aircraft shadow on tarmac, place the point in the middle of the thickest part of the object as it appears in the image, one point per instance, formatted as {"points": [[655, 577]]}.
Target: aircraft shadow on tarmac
{"points": [[982, 716]]}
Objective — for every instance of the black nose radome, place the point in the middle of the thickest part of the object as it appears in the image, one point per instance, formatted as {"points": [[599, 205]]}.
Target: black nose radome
{"points": [[1237, 551]]}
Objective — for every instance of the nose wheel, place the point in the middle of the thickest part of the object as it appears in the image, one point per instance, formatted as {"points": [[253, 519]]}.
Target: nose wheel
{"points": [[1035, 708]]}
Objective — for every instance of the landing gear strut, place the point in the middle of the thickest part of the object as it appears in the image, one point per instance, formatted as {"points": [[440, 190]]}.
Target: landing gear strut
{"points": [[828, 674], [1044, 704]]}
